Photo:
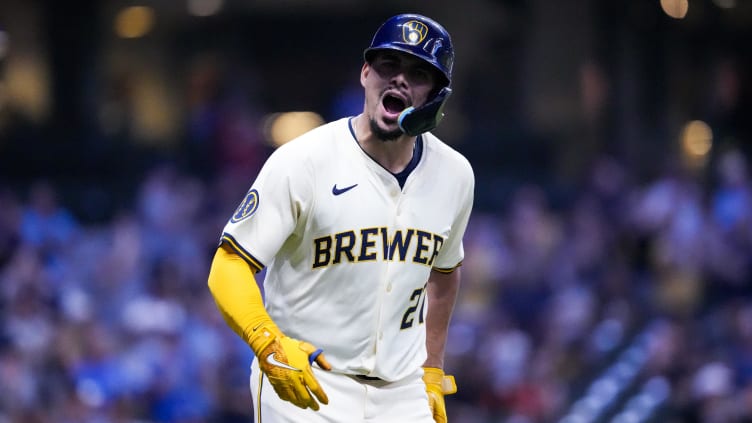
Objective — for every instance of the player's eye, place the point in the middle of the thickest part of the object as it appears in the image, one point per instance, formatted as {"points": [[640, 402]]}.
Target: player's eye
{"points": [[388, 63], [420, 74]]}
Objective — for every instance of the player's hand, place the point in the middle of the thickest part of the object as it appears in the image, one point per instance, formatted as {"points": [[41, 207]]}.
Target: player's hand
{"points": [[437, 385], [286, 362]]}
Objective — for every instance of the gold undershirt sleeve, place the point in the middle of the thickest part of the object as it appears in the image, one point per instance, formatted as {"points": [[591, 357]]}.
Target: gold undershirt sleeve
{"points": [[233, 285]]}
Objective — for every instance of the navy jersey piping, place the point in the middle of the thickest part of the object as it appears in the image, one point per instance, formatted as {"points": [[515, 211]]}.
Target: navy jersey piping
{"points": [[401, 176], [248, 257]]}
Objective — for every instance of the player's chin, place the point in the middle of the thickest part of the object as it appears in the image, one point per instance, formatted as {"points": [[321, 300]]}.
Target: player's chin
{"points": [[390, 132], [391, 121], [389, 124]]}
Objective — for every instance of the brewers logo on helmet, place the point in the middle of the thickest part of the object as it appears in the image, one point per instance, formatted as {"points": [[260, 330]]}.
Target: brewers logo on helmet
{"points": [[413, 32]]}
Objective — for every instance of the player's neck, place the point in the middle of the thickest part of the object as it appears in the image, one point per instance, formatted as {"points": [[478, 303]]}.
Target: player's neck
{"points": [[392, 155]]}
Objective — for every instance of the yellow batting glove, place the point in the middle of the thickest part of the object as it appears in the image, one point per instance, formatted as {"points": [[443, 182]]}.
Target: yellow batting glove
{"points": [[437, 385], [286, 362]]}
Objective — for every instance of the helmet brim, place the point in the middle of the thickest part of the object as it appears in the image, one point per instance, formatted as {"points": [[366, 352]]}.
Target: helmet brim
{"points": [[371, 52]]}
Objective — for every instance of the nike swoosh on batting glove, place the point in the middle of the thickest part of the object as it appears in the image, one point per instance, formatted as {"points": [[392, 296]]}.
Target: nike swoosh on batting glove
{"points": [[437, 385], [286, 362]]}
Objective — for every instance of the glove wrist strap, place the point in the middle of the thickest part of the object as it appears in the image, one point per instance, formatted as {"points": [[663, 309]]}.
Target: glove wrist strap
{"points": [[263, 336], [436, 376], [448, 385]]}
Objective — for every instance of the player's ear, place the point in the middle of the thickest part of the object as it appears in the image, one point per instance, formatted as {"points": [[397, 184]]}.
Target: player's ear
{"points": [[364, 73]]}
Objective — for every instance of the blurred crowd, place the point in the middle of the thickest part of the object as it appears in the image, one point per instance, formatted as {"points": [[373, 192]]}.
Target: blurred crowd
{"points": [[553, 295], [112, 321]]}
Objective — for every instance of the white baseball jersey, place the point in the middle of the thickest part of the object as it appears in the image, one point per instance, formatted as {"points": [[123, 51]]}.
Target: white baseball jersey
{"points": [[348, 252]]}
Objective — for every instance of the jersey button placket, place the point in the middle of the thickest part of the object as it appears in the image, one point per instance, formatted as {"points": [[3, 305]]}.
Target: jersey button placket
{"points": [[398, 222]]}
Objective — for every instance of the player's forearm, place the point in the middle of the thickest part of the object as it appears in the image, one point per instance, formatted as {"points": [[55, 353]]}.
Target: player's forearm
{"points": [[238, 298], [441, 294]]}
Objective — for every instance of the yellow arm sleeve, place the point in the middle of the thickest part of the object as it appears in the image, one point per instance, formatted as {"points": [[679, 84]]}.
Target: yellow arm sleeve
{"points": [[233, 285]]}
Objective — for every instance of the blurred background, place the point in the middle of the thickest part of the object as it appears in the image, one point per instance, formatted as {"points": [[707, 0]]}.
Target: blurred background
{"points": [[607, 259]]}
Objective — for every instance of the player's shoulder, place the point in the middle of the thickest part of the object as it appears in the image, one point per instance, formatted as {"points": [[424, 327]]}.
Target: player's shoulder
{"points": [[447, 154], [312, 147], [318, 139]]}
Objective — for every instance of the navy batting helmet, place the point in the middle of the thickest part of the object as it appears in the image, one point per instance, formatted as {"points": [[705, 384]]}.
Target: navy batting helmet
{"points": [[419, 36]]}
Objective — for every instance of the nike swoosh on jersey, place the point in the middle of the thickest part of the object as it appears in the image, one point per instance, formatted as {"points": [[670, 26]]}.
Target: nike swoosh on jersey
{"points": [[274, 362], [338, 191]]}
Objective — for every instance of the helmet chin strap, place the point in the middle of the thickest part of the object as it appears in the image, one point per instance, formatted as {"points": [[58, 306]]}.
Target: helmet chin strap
{"points": [[415, 121]]}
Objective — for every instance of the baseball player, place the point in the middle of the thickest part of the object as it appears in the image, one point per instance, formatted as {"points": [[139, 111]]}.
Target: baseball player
{"points": [[359, 224]]}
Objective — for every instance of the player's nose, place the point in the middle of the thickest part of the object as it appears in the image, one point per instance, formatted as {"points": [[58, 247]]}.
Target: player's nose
{"points": [[399, 78]]}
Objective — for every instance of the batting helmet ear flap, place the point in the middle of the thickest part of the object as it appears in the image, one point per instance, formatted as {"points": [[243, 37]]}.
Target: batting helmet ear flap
{"points": [[415, 121]]}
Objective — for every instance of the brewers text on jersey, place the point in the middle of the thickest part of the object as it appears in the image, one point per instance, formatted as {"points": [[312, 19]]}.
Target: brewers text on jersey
{"points": [[359, 246]]}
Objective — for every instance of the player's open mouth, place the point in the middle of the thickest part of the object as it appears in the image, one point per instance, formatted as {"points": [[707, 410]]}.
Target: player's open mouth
{"points": [[393, 104]]}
